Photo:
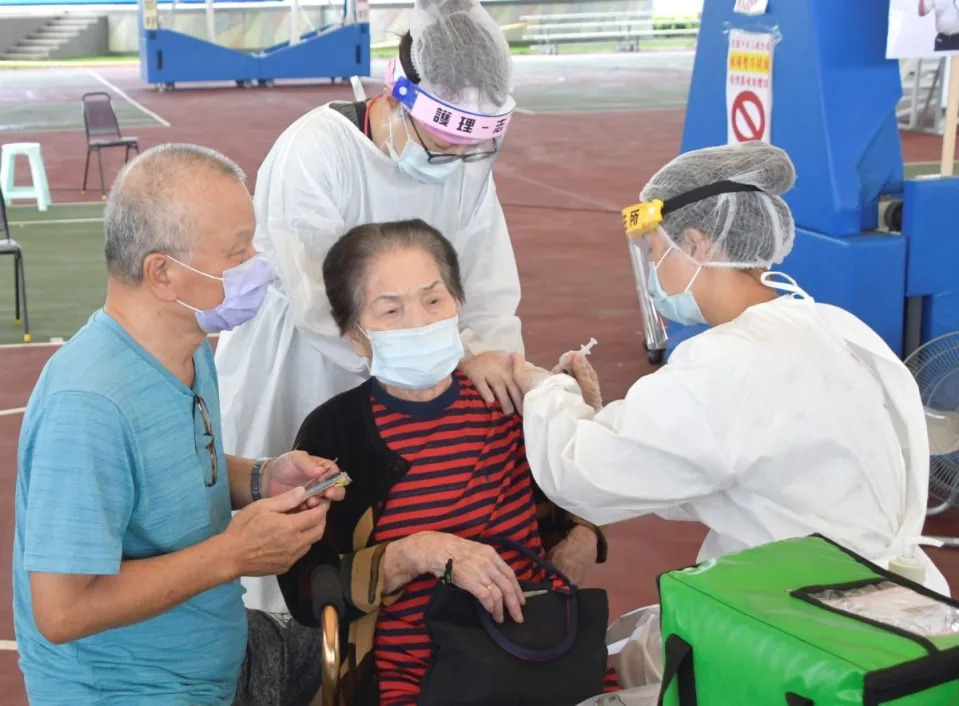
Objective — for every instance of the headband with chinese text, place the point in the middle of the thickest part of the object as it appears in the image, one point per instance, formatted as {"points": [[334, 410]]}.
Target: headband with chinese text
{"points": [[445, 121]]}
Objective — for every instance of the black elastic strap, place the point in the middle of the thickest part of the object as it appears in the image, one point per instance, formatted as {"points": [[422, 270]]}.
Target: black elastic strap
{"points": [[797, 700], [679, 667], [704, 192]]}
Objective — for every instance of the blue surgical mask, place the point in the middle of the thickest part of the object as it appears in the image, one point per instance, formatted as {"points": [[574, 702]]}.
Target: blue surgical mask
{"points": [[415, 162], [681, 308], [416, 358]]}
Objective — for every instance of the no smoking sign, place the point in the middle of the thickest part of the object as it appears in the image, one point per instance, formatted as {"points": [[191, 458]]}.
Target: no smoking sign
{"points": [[749, 86], [747, 117]]}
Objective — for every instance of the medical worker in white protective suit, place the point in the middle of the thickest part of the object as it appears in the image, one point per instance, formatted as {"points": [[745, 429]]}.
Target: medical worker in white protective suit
{"points": [[423, 149], [786, 418]]}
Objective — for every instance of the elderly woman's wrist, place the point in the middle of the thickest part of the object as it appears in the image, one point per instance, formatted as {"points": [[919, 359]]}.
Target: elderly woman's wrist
{"points": [[404, 560], [394, 567]]}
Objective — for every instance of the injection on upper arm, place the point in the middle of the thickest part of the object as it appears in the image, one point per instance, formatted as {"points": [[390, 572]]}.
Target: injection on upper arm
{"points": [[583, 350]]}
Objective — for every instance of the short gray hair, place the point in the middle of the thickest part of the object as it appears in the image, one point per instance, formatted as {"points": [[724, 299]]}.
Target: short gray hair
{"points": [[145, 213], [346, 264]]}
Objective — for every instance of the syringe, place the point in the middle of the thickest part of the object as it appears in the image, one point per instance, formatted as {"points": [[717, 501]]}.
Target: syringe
{"points": [[583, 350]]}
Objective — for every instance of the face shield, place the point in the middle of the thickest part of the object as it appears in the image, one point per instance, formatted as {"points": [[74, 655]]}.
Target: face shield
{"points": [[654, 330], [643, 218], [427, 121]]}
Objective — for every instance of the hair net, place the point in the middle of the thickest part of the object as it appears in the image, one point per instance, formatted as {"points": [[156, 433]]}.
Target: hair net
{"points": [[747, 229], [461, 54]]}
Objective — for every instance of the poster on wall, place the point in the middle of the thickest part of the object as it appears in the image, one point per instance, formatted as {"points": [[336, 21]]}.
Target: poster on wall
{"points": [[362, 10], [922, 29], [751, 7], [749, 86], [150, 15]]}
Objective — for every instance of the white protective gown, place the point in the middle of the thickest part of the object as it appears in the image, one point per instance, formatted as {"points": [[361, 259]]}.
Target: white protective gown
{"points": [[322, 177], [793, 419]]}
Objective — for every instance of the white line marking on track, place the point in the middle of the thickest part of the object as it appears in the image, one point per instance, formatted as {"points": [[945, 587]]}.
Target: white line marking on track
{"points": [[38, 344], [563, 192], [8, 645], [65, 203], [56, 222], [127, 98], [12, 412]]}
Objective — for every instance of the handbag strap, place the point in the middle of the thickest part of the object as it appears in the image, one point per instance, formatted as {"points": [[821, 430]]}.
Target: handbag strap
{"points": [[569, 592], [526, 653], [679, 667], [541, 562]]}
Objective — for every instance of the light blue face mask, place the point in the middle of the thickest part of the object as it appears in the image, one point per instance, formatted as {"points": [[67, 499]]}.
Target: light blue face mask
{"points": [[681, 308], [415, 162], [416, 358]]}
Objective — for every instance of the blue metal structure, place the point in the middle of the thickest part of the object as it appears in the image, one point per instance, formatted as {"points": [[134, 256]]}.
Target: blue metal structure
{"points": [[834, 112], [168, 57]]}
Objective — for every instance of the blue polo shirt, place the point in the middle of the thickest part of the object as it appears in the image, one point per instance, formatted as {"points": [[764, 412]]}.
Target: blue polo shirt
{"points": [[113, 466]]}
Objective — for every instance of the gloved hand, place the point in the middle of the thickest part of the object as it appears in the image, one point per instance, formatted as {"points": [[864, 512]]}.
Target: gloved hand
{"points": [[579, 367], [576, 554]]}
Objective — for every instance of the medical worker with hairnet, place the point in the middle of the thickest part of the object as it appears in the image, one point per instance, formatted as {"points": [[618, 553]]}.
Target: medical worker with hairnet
{"points": [[423, 149], [787, 417]]}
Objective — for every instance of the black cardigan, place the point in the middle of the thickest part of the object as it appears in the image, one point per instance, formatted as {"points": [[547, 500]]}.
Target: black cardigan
{"points": [[344, 428]]}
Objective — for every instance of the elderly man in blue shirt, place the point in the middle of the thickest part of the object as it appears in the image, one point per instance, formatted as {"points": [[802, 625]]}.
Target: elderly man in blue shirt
{"points": [[126, 560]]}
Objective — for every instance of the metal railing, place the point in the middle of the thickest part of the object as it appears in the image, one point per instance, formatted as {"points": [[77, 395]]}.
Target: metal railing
{"points": [[922, 108], [626, 29]]}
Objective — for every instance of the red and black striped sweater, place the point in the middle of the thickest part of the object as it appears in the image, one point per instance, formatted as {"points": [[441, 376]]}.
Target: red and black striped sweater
{"points": [[458, 465]]}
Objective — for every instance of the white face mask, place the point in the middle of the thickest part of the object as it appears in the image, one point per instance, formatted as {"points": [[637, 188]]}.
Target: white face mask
{"points": [[416, 358]]}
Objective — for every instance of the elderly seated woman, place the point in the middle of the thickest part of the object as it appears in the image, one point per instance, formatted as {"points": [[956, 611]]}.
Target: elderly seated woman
{"points": [[434, 466]]}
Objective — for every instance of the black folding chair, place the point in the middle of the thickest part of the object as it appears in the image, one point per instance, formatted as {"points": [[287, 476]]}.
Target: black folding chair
{"points": [[103, 131], [9, 246]]}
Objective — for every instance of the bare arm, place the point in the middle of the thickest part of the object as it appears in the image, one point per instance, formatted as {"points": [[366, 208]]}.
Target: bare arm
{"points": [[924, 8], [67, 607], [263, 539], [277, 476], [399, 565], [477, 568], [238, 469]]}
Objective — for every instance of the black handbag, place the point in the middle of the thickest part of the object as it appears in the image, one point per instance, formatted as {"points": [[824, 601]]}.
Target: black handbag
{"points": [[555, 657]]}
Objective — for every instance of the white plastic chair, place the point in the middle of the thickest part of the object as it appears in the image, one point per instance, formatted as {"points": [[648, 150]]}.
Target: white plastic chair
{"points": [[39, 189]]}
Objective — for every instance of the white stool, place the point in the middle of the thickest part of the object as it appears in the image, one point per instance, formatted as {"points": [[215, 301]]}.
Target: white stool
{"points": [[39, 190]]}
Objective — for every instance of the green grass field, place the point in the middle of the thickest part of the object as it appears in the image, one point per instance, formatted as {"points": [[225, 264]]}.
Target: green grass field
{"points": [[63, 263]]}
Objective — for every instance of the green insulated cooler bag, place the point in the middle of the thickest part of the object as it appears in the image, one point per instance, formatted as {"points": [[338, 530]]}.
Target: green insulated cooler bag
{"points": [[805, 622]]}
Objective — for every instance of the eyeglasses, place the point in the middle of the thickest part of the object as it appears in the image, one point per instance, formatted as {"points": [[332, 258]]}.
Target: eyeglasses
{"points": [[445, 157], [199, 403]]}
